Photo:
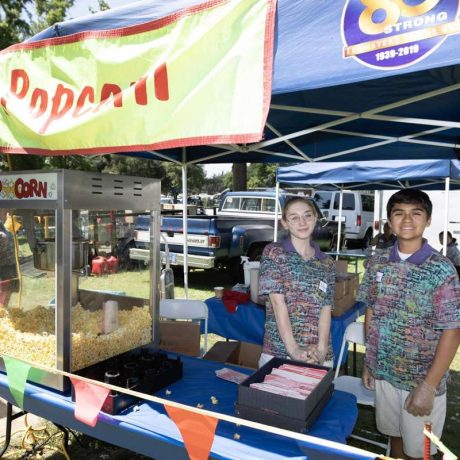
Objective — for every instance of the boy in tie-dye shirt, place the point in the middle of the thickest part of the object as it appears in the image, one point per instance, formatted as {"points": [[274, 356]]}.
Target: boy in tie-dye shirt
{"points": [[412, 294]]}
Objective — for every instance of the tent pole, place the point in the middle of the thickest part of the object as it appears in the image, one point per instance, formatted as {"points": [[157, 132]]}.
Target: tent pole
{"points": [[340, 221], [185, 218], [277, 197], [446, 216]]}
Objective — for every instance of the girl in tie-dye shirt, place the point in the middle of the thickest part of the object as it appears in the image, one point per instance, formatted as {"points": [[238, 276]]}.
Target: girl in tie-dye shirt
{"points": [[299, 280]]}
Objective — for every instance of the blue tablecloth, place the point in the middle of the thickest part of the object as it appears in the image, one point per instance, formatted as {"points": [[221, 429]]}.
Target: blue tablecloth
{"points": [[247, 323], [149, 431]]}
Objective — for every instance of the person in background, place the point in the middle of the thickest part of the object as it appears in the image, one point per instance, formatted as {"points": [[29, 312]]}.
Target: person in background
{"points": [[384, 240], [8, 276], [299, 281], [412, 326], [453, 254]]}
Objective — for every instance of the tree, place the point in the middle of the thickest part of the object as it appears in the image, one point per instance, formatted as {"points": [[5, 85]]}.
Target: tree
{"points": [[239, 171], [196, 178], [262, 175]]}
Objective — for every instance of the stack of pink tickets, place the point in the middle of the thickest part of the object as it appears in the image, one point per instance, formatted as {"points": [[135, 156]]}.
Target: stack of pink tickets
{"points": [[291, 380]]}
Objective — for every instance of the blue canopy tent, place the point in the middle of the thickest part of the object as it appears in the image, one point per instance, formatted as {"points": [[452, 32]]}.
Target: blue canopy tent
{"points": [[375, 175], [330, 100]]}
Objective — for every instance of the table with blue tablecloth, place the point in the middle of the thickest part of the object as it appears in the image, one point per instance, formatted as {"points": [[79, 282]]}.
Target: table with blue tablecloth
{"points": [[247, 322], [147, 429]]}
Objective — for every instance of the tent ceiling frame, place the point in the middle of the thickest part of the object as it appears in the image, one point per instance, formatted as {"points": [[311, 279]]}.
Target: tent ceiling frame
{"points": [[368, 114]]}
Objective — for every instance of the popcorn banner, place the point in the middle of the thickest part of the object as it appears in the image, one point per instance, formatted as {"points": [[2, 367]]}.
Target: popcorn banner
{"points": [[197, 431], [16, 373], [89, 399], [200, 76]]}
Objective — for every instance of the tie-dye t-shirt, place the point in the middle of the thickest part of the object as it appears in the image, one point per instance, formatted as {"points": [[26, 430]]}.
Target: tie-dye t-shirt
{"points": [[307, 286], [412, 302]]}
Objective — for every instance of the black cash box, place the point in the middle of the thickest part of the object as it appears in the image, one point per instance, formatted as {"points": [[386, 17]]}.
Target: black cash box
{"points": [[143, 369], [283, 411]]}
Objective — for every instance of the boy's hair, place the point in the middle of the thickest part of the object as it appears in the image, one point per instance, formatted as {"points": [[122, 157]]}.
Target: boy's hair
{"points": [[410, 196]]}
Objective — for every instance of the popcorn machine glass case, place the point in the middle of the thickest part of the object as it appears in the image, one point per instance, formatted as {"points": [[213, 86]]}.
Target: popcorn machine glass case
{"points": [[70, 296]]}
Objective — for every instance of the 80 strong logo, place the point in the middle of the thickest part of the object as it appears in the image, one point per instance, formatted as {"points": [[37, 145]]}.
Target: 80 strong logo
{"points": [[389, 34]]}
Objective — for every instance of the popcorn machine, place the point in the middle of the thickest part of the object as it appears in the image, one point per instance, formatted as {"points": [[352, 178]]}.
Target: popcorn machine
{"points": [[69, 295]]}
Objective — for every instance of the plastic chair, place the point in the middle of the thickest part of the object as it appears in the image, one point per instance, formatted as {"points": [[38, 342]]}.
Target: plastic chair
{"points": [[354, 333], [186, 309]]}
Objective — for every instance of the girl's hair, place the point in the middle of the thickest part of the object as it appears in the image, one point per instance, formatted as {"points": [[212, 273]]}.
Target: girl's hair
{"points": [[298, 199]]}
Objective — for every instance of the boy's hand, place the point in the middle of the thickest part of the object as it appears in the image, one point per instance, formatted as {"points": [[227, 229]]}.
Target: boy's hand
{"points": [[420, 400], [368, 380]]}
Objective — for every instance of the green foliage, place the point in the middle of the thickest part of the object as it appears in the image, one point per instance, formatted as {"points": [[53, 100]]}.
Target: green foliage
{"points": [[262, 175], [17, 21], [196, 178], [103, 6]]}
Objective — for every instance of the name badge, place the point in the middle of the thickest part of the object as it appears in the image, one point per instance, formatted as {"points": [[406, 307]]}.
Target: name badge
{"points": [[378, 277], [323, 286]]}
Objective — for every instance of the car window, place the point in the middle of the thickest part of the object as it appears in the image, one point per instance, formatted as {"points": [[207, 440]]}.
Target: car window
{"points": [[368, 203], [348, 201], [268, 205], [250, 204], [231, 202], [323, 199]]}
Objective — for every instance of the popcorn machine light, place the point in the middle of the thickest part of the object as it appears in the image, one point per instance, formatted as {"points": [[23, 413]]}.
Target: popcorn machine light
{"points": [[53, 310]]}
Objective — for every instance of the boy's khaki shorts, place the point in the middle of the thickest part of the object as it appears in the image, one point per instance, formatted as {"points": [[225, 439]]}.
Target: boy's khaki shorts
{"points": [[393, 420]]}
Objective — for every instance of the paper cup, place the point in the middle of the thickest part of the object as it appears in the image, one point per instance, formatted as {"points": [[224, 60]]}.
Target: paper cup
{"points": [[219, 292]]}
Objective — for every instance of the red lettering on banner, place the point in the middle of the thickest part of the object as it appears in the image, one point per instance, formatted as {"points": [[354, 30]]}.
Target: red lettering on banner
{"points": [[42, 95], [140, 91], [62, 102], [109, 90], [17, 76], [66, 101], [161, 83], [86, 93], [3, 104]]}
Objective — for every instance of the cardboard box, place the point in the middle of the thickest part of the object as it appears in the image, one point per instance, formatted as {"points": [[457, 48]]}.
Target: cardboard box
{"points": [[180, 337], [236, 353], [346, 289], [341, 266], [283, 406], [281, 421]]}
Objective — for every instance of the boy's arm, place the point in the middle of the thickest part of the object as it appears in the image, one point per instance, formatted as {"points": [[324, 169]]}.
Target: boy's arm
{"points": [[368, 379], [420, 400]]}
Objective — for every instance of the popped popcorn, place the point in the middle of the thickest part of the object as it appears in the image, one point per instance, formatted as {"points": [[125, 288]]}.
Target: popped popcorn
{"points": [[30, 334]]}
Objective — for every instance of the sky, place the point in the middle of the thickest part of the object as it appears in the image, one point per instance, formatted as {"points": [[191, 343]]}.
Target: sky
{"points": [[80, 8]]}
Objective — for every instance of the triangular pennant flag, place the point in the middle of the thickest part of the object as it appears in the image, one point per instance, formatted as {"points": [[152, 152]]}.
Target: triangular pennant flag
{"points": [[197, 431], [89, 399], [16, 373]]}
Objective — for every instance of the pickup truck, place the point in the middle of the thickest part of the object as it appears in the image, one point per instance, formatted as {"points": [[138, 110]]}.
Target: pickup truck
{"points": [[243, 226]]}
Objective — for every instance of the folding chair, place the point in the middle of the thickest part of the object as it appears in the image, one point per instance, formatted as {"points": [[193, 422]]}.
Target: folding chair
{"points": [[354, 333], [186, 309]]}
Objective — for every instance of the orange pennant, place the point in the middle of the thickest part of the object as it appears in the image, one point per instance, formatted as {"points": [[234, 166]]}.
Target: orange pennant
{"points": [[197, 431], [89, 399]]}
